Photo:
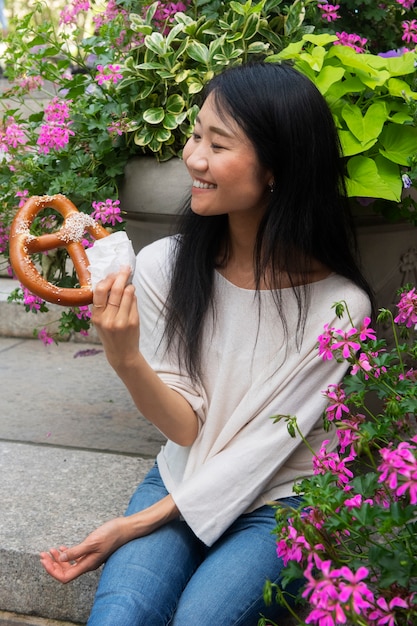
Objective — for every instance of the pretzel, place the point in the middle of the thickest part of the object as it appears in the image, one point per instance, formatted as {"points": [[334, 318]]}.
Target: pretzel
{"points": [[22, 244]]}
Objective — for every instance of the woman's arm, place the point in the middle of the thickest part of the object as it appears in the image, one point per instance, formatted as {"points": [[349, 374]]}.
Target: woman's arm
{"points": [[66, 564], [116, 318]]}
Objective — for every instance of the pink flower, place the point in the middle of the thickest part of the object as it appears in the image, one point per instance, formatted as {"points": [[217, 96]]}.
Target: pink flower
{"points": [[384, 614], [325, 343], [365, 332], [353, 588], [292, 547], [30, 83], [108, 73], [53, 137], [362, 365], [407, 4], [11, 135], [45, 337], [347, 432], [112, 11], [407, 306], [30, 300], [336, 394], [57, 111], [55, 134], [70, 13], [399, 470], [82, 312], [23, 195], [329, 12], [348, 346], [352, 40], [4, 237], [107, 212], [325, 462], [409, 31]]}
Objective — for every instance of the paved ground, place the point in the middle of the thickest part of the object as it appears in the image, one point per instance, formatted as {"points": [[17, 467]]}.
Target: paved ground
{"points": [[68, 395]]}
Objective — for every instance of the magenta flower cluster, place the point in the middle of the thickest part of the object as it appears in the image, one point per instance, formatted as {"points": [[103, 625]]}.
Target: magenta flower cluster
{"points": [[353, 525], [107, 212], [351, 40], [109, 73], [71, 11], [56, 132], [409, 31], [407, 4], [329, 11], [11, 135], [164, 14], [407, 309]]}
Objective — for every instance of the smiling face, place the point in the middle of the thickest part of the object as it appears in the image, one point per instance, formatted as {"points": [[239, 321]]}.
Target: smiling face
{"points": [[227, 176]]}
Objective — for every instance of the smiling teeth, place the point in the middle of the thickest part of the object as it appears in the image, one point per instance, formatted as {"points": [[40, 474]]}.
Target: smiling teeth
{"points": [[200, 185]]}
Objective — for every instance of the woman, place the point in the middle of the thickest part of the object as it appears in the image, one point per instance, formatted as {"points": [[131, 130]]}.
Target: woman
{"points": [[230, 311]]}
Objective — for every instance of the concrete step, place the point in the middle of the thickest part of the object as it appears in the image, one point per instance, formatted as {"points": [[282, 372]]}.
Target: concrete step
{"points": [[15, 321], [52, 496], [16, 619], [73, 448]]}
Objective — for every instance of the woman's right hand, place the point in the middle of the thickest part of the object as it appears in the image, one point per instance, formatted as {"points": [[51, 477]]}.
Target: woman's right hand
{"points": [[116, 318], [66, 564]]}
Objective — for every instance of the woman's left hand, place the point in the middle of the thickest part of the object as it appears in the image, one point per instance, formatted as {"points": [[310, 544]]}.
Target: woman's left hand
{"points": [[66, 564], [116, 318]]}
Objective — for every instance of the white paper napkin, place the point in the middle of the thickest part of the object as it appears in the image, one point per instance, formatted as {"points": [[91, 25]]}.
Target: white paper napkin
{"points": [[109, 255]]}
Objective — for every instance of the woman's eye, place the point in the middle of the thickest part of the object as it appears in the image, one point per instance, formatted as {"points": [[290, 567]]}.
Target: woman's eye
{"points": [[196, 136], [216, 146]]}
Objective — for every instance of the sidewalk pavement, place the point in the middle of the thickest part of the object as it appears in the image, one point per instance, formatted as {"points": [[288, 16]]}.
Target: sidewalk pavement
{"points": [[73, 447]]}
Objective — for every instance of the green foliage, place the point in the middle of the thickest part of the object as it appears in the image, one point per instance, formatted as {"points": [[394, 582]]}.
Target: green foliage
{"points": [[373, 101], [358, 510]]}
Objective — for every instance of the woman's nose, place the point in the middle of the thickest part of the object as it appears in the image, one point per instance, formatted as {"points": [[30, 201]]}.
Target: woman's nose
{"points": [[195, 156]]}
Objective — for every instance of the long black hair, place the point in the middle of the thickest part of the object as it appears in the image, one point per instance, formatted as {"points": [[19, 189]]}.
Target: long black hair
{"points": [[292, 130]]}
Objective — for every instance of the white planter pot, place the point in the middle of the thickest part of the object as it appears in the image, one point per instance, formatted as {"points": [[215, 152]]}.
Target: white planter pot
{"points": [[151, 196]]}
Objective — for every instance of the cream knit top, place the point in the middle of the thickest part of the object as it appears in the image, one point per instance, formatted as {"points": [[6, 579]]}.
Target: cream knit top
{"points": [[241, 459]]}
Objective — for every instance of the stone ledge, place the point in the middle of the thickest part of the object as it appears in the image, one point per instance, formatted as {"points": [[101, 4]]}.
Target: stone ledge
{"points": [[52, 496], [15, 321], [16, 619]]}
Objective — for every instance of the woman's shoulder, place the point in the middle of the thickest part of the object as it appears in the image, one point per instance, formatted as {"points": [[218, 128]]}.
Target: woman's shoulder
{"points": [[337, 288], [157, 256]]}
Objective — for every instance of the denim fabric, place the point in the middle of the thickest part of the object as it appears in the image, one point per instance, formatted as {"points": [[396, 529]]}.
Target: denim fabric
{"points": [[171, 578]]}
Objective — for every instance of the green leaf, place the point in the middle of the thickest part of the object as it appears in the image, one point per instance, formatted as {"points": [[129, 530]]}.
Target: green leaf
{"points": [[156, 42], [143, 136], [163, 134], [368, 127], [154, 116], [175, 103], [401, 89], [328, 76], [199, 52], [194, 86], [399, 143], [351, 145], [290, 52], [315, 58], [320, 40], [373, 178], [250, 27]]}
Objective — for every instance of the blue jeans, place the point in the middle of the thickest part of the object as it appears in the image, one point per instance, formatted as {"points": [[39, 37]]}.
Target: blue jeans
{"points": [[171, 578]]}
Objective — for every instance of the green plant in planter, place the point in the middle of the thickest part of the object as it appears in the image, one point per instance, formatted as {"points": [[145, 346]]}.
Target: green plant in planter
{"points": [[374, 103]]}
